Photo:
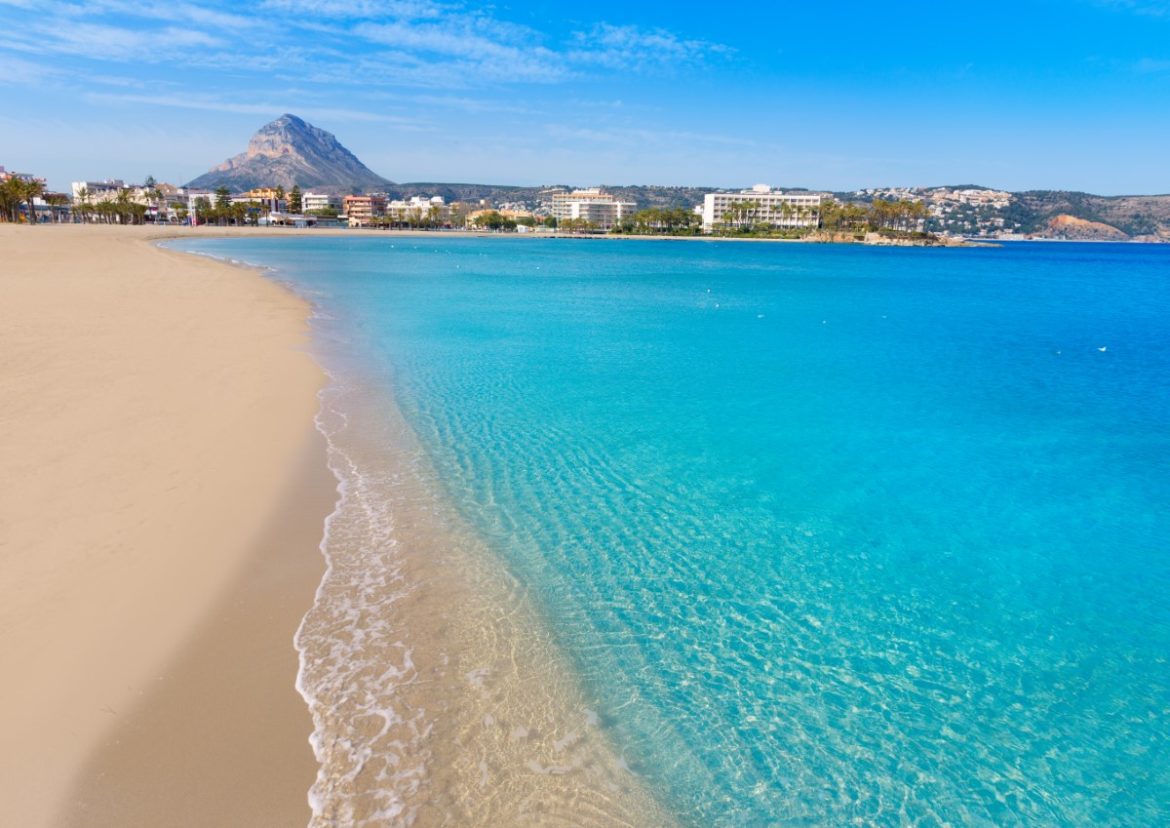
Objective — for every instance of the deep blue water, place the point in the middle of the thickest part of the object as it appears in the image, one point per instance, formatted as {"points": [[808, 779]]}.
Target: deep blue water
{"points": [[831, 533]]}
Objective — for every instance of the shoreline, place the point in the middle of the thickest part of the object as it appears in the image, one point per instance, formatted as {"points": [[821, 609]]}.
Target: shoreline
{"points": [[159, 538], [436, 689], [205, 231]]}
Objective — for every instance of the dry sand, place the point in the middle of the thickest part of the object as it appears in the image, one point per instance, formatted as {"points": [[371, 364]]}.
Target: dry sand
{"points": [[161, 503]]}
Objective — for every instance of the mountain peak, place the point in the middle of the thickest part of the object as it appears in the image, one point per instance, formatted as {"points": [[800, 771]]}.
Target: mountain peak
{"points": [[290, 151]]}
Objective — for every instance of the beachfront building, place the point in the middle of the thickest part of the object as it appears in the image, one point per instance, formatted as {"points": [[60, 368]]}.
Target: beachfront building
{"points": [[602, 210], [270, 199], [281, 219], [95, 192], [361, 209], [319, 202], [420, 210], [193, 197], [762, 205]]}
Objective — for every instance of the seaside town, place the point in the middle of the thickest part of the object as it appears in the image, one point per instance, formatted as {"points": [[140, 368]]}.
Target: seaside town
{"points": [[874, 215], [761, 209]]}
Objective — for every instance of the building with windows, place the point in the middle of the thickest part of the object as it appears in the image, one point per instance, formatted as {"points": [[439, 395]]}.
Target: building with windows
{"points": [[315, 202], [94, 192], [602, 210], [762, 205], [361, 209], [420, 210], [270, 199]]}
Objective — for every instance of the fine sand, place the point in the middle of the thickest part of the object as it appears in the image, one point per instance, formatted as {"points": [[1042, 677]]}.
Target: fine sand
{"points": [[161, 503]]}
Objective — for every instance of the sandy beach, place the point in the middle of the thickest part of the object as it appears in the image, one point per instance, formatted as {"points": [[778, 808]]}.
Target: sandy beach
{"points": [[160, 510]]}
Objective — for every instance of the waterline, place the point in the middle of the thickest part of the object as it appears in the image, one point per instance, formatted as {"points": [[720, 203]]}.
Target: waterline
{"points": [[818, 534]]}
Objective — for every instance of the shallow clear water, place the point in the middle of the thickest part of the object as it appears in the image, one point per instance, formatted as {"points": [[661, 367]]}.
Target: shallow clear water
{"points": [[831, 533]]}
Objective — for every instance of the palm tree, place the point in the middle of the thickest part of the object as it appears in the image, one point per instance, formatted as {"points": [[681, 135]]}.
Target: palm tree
{"points": [[56, 201], [122, 202], [29, 190], [9, 198], [83, 197], [156, 200]]}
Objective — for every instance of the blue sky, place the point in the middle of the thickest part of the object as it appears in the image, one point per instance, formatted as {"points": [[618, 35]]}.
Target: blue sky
{"points": [[1061, 95]]}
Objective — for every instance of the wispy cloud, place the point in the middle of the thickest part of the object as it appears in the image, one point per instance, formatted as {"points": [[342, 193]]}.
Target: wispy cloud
{"points": [[359, 9], [627, 47], [367, 45], [476, 47], [15, 71], [1149, 66], [264, 108], [177, 12], [106, 43]]}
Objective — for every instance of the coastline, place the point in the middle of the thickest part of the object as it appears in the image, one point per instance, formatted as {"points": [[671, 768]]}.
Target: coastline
{"points": [[436, 689], [208, 232], [158, 541]]}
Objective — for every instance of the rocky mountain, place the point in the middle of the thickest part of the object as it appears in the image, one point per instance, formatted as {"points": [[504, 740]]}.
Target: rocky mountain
{"points": [[975, 210], [289, 152], [1146, 218], [1070, 227]]}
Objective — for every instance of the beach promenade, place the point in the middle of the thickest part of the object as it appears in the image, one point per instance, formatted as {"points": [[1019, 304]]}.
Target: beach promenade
{"points": [[160, 509]]}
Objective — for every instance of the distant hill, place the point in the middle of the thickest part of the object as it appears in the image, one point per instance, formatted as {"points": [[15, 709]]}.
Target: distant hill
{"points": [[1142, 217], [289, 152], [1047, 213], [644, 195], [1071, 227]]}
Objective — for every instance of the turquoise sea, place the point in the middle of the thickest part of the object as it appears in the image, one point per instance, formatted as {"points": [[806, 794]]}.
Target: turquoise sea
{"points": [[831, 534]]}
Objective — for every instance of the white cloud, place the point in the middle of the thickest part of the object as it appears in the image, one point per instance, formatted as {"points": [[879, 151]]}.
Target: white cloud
{"points": [[103, 42], [16, 71], [358, 9], [269, 109], [360, 43], [632, 47]]}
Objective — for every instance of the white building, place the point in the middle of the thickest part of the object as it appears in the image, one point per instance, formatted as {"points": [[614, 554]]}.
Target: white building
{"points": [[419, 209], [97, 191], [598, 208], [311, 202], [762, 205]]}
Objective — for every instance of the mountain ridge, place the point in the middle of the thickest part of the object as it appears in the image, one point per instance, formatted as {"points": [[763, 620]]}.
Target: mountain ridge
{"points": [[290, 152]]}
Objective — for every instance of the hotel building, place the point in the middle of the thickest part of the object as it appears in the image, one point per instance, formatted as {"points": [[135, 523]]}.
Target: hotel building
{"points": [[311, 202], [360, 209], [269, 199], [598, 208], [420, 208], [764, 206], [97, 191]]}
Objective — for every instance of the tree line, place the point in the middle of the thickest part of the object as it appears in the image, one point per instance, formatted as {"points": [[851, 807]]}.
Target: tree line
{"points": [[14, 192], [661, 221], [902, 215]]}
